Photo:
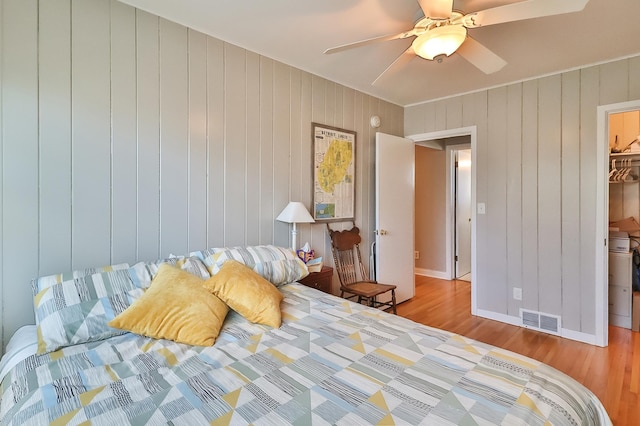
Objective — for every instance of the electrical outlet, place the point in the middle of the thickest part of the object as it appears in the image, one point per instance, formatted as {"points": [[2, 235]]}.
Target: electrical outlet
{"points": [[416, 254], [517, 293]]}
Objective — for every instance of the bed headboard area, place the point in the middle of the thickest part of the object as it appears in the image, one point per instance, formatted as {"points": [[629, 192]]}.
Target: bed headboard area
{"points": [[127, 137]]}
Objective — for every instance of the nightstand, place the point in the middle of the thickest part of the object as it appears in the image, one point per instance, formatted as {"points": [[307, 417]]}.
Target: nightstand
{"points": [[319, 280]]}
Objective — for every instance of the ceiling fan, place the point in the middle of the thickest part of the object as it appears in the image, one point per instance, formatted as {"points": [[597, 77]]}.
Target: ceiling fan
{"points": [[443, 31]]}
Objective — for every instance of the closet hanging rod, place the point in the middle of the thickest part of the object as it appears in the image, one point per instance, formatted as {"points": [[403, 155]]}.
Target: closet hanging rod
{"points": [[620, 160], [624, 154], [619, 164]]}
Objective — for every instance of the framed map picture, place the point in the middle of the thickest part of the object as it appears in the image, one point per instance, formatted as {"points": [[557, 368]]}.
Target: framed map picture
{"points": [[334, 153]]}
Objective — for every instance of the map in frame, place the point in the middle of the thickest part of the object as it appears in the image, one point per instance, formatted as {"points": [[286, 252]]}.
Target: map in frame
{"points": [[333, 173]]}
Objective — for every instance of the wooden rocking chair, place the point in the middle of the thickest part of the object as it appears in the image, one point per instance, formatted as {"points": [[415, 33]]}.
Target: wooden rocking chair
{"points": [[345, 247]]}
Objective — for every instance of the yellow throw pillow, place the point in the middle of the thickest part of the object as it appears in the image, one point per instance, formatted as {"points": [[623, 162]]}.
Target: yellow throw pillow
{"points": [[247, 293], [175, 307]]}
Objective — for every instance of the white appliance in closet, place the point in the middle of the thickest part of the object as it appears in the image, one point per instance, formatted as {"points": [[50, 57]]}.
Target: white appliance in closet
{"points": [[620, 293]]}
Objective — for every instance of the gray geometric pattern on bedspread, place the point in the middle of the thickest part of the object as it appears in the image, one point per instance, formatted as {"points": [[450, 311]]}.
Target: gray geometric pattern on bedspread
{"points": [[331, 362]]}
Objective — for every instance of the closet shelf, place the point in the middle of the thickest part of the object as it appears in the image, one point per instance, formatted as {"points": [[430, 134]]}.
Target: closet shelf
{"points": [[624, 154]]}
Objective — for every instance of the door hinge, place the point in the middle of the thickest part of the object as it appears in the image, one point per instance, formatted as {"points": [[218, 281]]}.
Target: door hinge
{"points": [[456, 258]]}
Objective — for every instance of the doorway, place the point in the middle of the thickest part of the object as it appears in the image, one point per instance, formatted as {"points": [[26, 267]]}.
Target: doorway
{"points": [[464, 138], [602, 217]]}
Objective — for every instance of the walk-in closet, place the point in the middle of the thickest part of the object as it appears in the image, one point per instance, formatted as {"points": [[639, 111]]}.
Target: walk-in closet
{"points": [[624, 217]]}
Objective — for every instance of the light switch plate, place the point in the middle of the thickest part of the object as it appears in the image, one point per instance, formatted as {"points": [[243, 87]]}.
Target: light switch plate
{"points": [[517, 293], [482, 208]]}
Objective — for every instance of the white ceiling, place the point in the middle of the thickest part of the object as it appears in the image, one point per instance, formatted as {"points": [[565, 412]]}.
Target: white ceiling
{"points": [[296, 32]]}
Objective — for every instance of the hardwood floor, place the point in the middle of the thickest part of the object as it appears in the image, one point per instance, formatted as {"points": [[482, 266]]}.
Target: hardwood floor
{"points": [[612, 373]]}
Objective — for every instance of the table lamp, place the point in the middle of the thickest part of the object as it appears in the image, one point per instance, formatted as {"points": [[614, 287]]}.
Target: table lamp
{"points": [[294, 213]]}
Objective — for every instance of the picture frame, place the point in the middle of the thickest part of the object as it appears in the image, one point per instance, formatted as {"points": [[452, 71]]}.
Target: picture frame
{"points": [[334, 173]]}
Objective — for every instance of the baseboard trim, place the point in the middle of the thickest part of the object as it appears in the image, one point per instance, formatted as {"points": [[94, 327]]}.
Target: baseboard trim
{"points": [[564, 333], [431, 273], [579, 336], [508, 319]]}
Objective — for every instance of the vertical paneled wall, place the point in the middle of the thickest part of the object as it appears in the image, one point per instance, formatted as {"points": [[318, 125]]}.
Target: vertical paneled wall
{"points": [[127, 137], [536, 172]]}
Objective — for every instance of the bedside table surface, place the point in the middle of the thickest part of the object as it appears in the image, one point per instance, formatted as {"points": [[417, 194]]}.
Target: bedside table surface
{"points": [[319, 280], [325, 270]]}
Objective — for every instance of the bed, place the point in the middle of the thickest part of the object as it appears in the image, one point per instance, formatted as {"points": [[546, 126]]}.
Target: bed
{"points": [[331, 361]]}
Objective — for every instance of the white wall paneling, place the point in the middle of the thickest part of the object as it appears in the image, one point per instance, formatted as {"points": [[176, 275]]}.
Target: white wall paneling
{"points": [[197, 128], [588, 103], [305, 146], [571, 251], [90, 133], [252, 227], [496, 204], [19, 159], [174, 138], [215, 134], [148, 136], [54, 56], [127, 137], [529, 195], [549, 196], [514, 195], [537, 172], [235, 145], [282, 159], [123, 134]]}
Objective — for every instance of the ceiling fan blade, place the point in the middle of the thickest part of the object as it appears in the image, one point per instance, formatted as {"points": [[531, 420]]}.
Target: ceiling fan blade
{"points": [[523, 10], [340, 48], [436, 9], [480, 56], [396, 65]]}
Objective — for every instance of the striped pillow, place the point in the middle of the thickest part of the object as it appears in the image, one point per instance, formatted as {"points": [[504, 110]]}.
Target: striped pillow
{"points": [[278, 265], [39, 284], [78, 310], [143, 272]]}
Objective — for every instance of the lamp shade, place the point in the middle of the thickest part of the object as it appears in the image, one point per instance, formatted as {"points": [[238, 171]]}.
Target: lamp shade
{"points": [[443, 40], [295, 212]]}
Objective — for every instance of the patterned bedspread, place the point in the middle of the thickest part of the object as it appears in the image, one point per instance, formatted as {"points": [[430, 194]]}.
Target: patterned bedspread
{"points": [[331, 362]]}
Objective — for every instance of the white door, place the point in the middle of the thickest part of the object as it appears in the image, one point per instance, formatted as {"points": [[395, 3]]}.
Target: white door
{"points": [[463, 212], [394, 214]]}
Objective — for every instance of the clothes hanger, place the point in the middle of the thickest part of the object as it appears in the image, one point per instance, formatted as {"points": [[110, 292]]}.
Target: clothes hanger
{"points": [[613, 168], [627, 170]]}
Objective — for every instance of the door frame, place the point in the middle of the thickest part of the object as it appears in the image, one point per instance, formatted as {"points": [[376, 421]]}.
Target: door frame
{"points": [[430, 139], [602, 216]]}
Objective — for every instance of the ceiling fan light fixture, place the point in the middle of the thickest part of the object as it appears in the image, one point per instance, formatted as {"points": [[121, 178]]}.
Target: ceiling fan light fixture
{"points": [[442, 40]]}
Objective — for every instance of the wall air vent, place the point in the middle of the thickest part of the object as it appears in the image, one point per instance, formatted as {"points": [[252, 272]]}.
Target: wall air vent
{"points": [[540, 321]]}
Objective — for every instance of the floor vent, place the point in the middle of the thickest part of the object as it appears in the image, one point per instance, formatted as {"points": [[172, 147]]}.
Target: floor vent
{"points": [[540, 321]]}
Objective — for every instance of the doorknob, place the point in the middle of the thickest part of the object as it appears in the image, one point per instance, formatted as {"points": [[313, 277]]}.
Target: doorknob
{"points": [[380, 232]]}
